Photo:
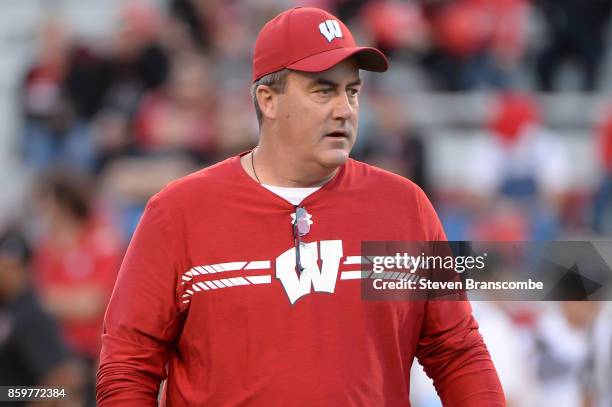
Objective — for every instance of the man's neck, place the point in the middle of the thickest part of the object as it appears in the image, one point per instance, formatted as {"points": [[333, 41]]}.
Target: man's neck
{"points": [[269, 166]]}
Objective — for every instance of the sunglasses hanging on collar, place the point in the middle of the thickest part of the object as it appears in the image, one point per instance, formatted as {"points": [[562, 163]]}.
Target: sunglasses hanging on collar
{"points": [[301, 227]]}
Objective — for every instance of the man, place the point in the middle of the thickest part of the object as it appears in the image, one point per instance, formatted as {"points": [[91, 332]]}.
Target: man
{"points": [[239, 286]]}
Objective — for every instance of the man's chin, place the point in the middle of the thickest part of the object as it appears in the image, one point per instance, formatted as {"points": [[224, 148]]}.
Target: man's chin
{"points": [[334, 158]]}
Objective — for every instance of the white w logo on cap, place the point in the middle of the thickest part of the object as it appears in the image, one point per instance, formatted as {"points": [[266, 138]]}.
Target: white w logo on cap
{"points": [[330, 29]]}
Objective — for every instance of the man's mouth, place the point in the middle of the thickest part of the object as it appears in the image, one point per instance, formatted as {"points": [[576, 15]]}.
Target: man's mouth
{"points": [[338, 134]]}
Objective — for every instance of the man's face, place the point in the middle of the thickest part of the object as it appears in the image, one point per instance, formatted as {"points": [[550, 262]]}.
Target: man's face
{"points": [[318, 112]]}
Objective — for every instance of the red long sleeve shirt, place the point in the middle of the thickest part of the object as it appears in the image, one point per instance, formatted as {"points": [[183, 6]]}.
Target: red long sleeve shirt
{"points": [[208, 297]]}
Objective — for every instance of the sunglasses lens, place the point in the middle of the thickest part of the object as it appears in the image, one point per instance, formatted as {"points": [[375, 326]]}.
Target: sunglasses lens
{"points": [[303, 225]]}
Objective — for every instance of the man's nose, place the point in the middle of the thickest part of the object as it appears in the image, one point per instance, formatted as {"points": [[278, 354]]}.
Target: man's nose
{"points": [[343, 109]]}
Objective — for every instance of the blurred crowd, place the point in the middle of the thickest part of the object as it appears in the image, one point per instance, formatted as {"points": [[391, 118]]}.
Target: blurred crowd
{"points": [[107, 123]]}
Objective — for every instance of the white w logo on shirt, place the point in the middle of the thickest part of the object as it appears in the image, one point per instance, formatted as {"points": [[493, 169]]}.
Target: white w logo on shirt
{"points": [[322, 280], [330, 29]]}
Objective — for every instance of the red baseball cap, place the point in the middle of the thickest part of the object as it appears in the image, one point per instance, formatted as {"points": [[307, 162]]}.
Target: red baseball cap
{"points": [[311, 40]]}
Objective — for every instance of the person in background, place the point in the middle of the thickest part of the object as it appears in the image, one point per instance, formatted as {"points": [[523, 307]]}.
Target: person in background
{"points": [[523, 162], [181, 116], [398, 145], [76, 260], [32, 352], [55, 96], [477, 44], [561, 340], [576, 30], [136, 62]]}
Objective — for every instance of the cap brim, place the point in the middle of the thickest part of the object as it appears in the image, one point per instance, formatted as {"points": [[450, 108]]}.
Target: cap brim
{"points": [[369, 59]]}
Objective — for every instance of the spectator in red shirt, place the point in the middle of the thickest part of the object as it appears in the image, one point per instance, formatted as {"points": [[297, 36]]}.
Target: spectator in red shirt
{"points": [[76, 261]]}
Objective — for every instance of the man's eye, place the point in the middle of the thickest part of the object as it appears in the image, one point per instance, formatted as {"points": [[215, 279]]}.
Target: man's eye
{"points": [[353, 91], [325, 91]]}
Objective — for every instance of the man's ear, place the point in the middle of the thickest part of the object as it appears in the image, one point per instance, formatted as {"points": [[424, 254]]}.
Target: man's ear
{"points": [[268, 101]]}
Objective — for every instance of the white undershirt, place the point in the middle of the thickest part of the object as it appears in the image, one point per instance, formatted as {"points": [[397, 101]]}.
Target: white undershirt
{"points": [[293, 195]]}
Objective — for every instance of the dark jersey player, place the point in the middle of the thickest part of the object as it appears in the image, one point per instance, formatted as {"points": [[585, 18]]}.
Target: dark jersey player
{"points": [[241, 285]]}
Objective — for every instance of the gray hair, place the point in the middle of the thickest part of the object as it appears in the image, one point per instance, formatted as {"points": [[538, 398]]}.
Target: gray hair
{"points": [[277, 81]]}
